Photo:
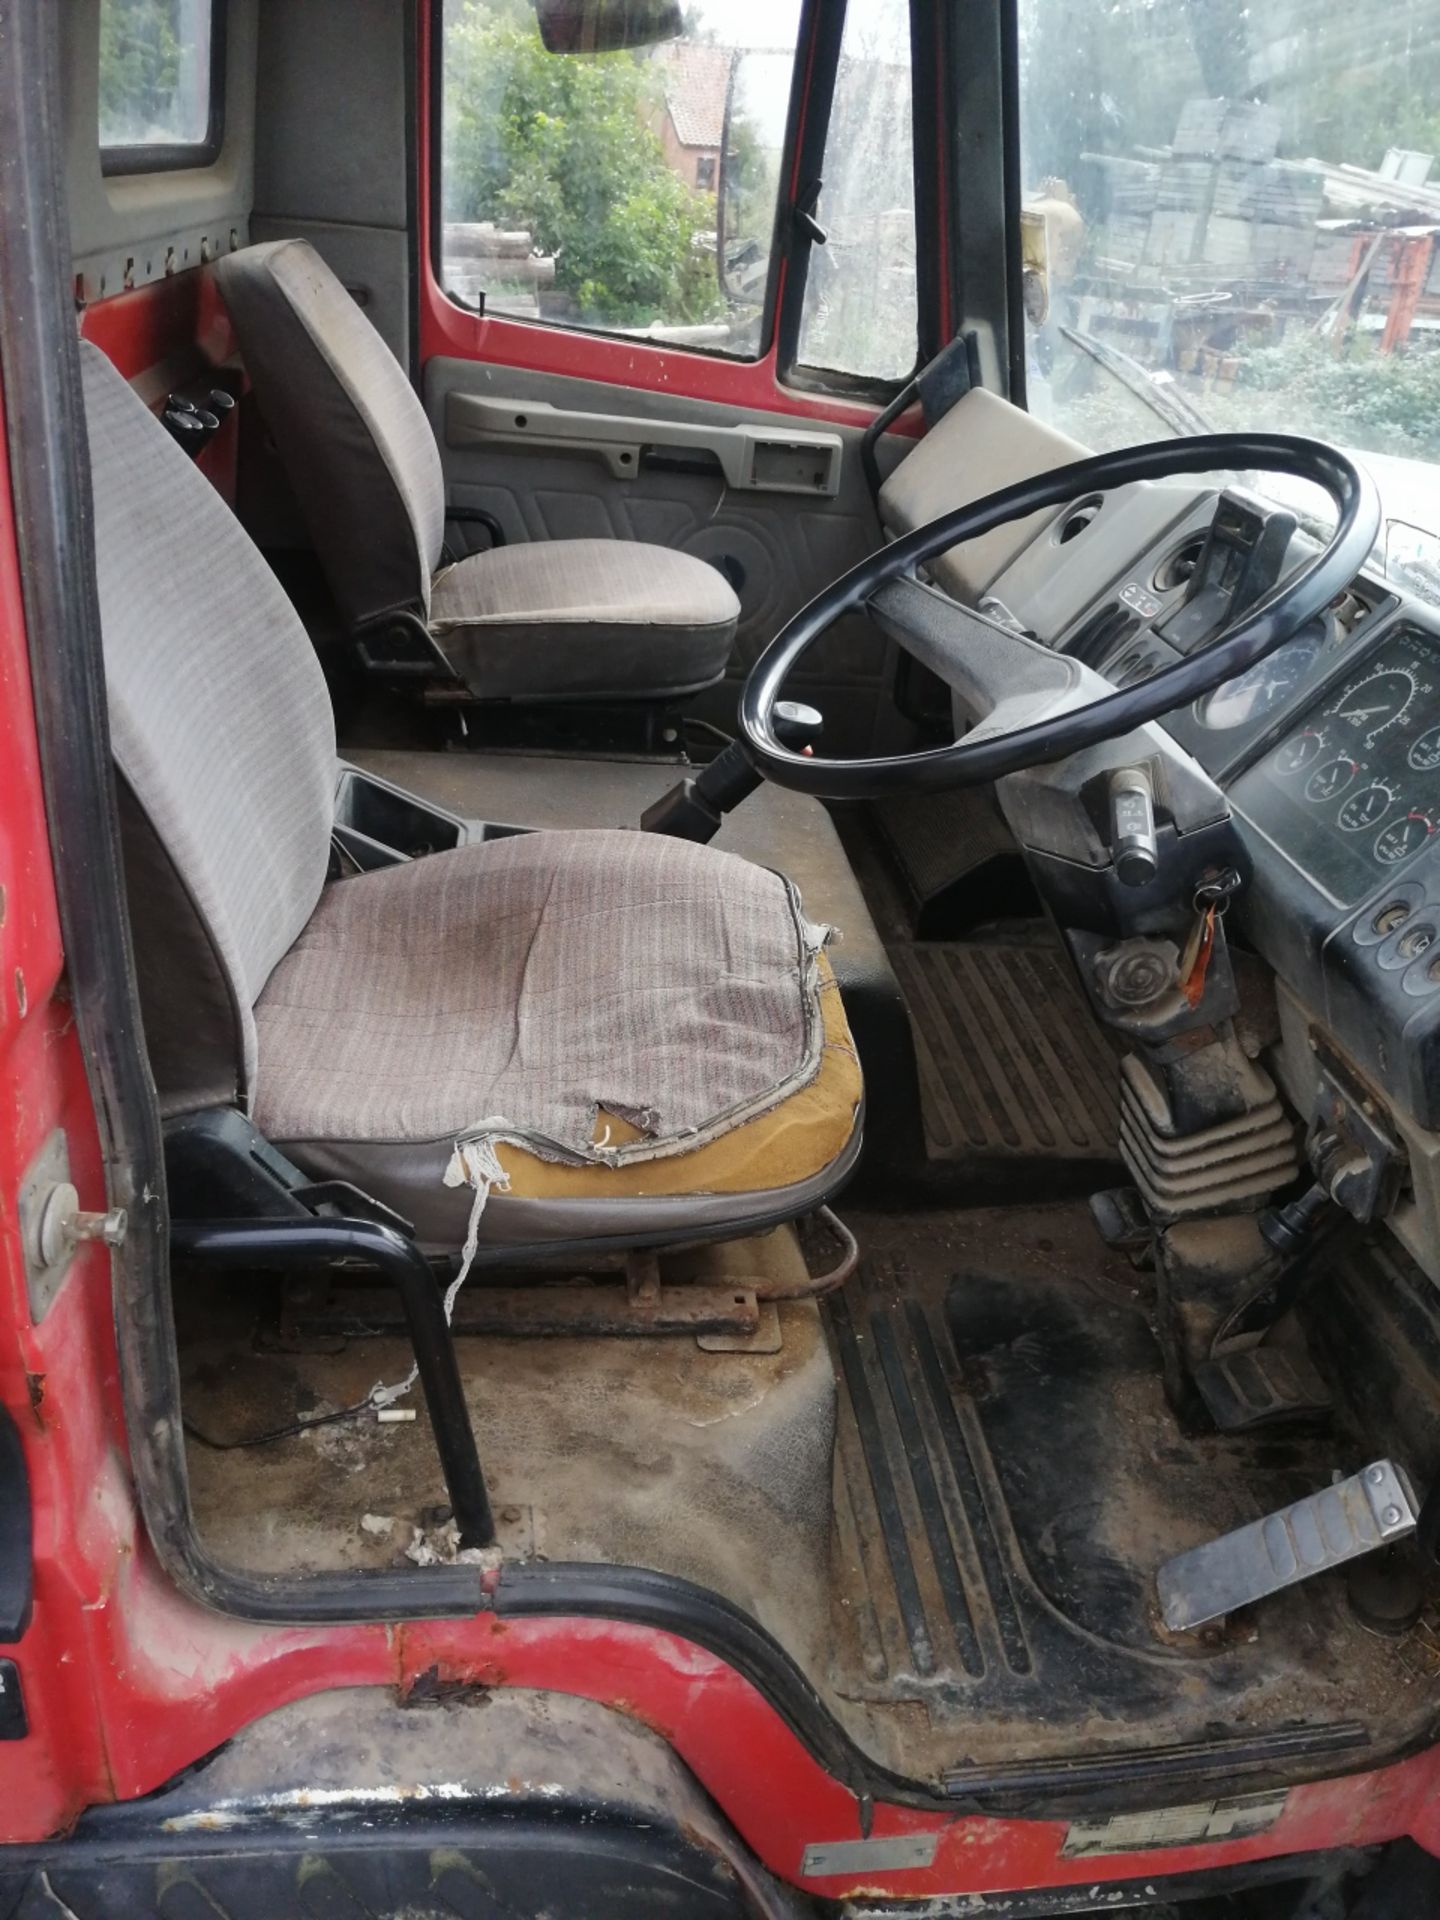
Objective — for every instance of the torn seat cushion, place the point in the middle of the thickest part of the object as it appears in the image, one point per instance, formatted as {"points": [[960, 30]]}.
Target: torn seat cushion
{"points": [[568, 619], [551, 991]]}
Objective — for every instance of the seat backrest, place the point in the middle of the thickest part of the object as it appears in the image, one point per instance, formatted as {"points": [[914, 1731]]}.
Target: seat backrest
{"points": [[223, 740], [352, 434]]}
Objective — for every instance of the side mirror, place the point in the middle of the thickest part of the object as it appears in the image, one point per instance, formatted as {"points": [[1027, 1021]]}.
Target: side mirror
{"points": [[605, 26]]}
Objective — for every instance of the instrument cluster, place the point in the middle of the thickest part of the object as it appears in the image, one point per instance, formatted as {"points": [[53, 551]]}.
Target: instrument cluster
{"points": [[1352, 791]]}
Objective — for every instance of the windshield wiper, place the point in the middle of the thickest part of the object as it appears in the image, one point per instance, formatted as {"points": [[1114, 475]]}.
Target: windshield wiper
{"points": [[1171, 406]]}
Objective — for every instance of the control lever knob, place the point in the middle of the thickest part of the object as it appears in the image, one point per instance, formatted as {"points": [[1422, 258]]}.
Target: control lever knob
{"points": [[1133, 845], [185, 426]]}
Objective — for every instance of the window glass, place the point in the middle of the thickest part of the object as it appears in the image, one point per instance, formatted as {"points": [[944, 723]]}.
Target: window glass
{"points": [[155, 74], [859, 315], [1240, 203], [629, 192]]}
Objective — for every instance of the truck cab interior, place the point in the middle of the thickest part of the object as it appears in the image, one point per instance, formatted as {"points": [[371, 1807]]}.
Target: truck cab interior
{"points": [[752, 987]]}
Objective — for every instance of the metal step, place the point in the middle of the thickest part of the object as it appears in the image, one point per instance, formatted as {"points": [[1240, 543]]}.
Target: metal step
{"points": [[1371, 1509]]}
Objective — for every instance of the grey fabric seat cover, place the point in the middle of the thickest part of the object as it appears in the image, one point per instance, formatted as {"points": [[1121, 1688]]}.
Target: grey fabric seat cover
{"points": [[368, 1022], [366, 470], [584, 617]]}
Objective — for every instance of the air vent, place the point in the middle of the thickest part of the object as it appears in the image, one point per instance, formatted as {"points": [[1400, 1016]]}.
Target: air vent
{"points": [[1176, 569], [1079, 517], [1107, 628]]}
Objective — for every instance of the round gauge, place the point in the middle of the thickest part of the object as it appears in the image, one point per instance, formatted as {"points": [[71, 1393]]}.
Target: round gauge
{"points": [[1376, 702], [1403, 837], [1331, 780], [1264, 686], [1368, 807], [1424, 755], [1301, 750]]}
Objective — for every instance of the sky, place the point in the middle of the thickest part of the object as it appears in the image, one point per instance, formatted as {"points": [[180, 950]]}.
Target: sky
{"points": [[876, 27], [880, 26]]}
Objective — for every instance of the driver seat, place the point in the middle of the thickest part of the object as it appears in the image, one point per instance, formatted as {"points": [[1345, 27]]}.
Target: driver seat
{"points": [[622, 1036]]}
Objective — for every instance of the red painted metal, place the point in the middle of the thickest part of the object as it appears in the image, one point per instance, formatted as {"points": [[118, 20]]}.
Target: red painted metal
{"points": [[451, 331], [1413, 255], [169, 322], [169, 334]]}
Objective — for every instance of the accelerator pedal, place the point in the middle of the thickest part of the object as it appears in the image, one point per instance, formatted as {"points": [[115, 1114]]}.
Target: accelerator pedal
{"points": [[1261, 1387], [1356, 1516]]}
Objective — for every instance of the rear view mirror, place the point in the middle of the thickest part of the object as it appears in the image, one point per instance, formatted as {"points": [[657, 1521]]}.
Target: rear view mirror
{"points": [[603, 26]]}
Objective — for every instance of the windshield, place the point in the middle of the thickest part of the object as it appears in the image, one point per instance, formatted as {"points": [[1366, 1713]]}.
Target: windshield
{"points": [[1232, 210]]}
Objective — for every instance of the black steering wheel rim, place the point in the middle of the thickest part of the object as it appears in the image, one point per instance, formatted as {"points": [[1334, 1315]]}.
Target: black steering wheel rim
{"points": [[1256, 633]]}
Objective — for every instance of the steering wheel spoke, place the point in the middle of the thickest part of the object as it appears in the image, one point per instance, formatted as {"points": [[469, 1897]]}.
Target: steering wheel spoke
{"points": [[1003, 680]]}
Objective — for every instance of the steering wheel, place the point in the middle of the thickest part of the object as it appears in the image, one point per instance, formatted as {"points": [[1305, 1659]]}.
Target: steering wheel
{"points": [[1034, 705]]}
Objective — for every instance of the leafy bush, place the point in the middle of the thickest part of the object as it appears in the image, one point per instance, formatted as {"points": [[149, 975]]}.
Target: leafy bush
{"points": [[1386, 403], [139, 67], [562, 146]]}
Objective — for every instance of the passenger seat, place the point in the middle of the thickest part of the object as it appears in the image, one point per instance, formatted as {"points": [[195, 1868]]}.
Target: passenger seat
{"points": [[548, 620]]}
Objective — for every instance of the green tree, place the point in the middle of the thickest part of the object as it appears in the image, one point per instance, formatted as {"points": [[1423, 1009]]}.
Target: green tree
{"points": [[1352, 79], [139, 67], [1349, 78], [564, 146]]}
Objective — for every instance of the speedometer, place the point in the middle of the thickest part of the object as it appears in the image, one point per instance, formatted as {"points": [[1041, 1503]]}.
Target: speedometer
{"points": [[1378, 701], [1266, 685]]}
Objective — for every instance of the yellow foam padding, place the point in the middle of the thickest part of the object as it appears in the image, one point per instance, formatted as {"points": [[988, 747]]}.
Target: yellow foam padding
{"points": [[796, 1139]]}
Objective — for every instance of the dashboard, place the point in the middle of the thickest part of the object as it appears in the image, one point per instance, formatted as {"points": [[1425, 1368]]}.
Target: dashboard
{"points": [[1328, 752], [1352, 791]]}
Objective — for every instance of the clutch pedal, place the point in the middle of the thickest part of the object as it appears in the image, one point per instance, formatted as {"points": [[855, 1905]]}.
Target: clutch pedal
{"points": [[1356, 1516]]}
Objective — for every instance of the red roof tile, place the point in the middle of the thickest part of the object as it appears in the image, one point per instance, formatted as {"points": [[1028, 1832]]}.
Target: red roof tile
{"points": [[697, 79]]}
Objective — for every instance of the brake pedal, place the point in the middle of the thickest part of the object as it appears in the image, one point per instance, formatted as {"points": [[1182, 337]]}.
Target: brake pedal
{"points": [[1356, 1516], [1261, 1387]]}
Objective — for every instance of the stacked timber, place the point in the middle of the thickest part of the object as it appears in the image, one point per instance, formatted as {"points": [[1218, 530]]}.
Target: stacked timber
{"points": [[499, 265], [1225, 208]]}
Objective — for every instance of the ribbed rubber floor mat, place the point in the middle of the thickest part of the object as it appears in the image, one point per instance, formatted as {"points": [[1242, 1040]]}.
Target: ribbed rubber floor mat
{"points": [[940, 1597], [1011, 1059], [1009, 1479]]}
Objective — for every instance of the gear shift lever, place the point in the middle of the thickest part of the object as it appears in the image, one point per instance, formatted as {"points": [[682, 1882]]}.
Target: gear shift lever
{"points": [[694, 809]]}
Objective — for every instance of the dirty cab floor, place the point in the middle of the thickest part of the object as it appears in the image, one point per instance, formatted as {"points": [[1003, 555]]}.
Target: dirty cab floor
{"points": [[970, 1591]]}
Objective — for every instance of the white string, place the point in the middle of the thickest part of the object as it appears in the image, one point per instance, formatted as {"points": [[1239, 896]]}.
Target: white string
{"points": [[474, 1162]]}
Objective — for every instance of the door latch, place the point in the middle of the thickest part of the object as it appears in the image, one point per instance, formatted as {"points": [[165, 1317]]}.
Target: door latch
{"points": [[54, 1226]]}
